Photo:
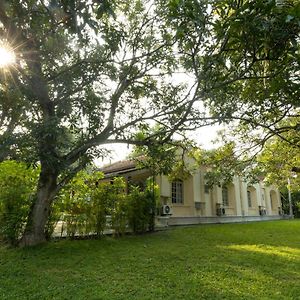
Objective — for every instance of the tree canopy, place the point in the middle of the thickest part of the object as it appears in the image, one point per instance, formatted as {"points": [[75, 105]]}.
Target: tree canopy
{"points": [[259, 65], [88, 73]]}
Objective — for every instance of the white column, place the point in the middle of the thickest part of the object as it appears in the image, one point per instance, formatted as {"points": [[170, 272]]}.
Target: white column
{"points": [[237, 196], [268, 201], [244, 198]]}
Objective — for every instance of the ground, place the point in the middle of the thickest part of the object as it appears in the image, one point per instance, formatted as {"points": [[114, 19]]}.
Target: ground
{"points": [[228, 261]]}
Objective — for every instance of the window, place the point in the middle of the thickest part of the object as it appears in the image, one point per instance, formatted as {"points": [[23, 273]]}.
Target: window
{"points": [[273, 200], [225, 198], [263, 196], [206, 189], [249, 198], [177, 192]]}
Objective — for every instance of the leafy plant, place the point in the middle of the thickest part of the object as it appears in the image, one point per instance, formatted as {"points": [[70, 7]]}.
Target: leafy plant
{"points": [[17, 186], [76, 204], [141, 208]]}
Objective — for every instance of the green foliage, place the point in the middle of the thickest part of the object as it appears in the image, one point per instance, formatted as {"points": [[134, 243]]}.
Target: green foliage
{"points": [[141, 208], [222, 164], [181, 170], [254, 71], [89, 206], [138, 211], [17, 187], [245, 56], [295, 197], [93, 72], [79, 212], [89, 73], [108, 200], [280, 155], [155, 155], [119, 215], [153, 195]]}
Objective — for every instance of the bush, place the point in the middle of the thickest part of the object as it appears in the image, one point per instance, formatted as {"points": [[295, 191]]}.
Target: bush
{"points": [[119, 216], [139, 209], [86, 204], [75, 205], [119, 205], [100, 202], [153, 198], [17, 189]]}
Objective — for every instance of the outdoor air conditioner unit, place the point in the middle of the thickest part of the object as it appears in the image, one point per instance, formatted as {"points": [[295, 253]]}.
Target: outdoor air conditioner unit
{"points": [[198, 205], [262, 211], [166, 210], [220, 210]]}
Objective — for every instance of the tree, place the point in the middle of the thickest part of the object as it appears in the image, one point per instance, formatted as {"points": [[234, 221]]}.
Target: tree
{"points": [[278, 161], [86, 74], [250, 74], [256, 75], [92, 73]]}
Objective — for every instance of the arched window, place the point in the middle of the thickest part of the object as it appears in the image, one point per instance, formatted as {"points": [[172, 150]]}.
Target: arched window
{"points": [[273, 200], [225, 197], [177, 191], [249, 198]]}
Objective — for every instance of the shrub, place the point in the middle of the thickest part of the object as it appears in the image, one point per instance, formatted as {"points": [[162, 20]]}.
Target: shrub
{"points": [[17, 189], [109, 199], [153, 198], [119, 216], [99, 208], [86, 204], [139, 209], [75, 205]]}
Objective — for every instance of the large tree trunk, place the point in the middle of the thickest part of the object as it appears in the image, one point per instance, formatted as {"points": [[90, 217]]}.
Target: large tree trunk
{"points": [[39, 213]]}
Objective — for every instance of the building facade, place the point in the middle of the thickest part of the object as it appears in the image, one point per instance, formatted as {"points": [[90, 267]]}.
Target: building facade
{"points": [[192, 201]]}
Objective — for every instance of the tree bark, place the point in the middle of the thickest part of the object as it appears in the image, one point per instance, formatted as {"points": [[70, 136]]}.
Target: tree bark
{"points": [[39, 213]]}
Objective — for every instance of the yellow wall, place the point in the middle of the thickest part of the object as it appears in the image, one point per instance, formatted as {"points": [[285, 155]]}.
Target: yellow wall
{"points": [[194, 191]]}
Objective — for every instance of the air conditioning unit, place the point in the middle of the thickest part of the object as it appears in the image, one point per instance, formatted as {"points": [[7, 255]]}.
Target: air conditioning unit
{"points": [[262, 211], [220, 210], [166, 210], [198, 205]]}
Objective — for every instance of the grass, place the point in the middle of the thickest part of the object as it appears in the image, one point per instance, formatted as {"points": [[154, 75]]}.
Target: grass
{"points": [[229, 261]]}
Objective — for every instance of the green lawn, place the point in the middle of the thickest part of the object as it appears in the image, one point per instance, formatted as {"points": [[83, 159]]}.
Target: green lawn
{"points": [[231, 261]]}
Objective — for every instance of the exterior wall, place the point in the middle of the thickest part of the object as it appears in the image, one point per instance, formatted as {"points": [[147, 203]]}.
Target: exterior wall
{"points": [[275, 204], [178, 209], [198, 201], [254, 209]]}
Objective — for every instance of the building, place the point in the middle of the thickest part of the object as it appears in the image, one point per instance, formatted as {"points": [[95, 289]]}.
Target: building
{"points": [[191, 201]]}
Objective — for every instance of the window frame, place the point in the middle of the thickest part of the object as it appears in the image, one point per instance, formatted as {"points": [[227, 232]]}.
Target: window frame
{"points": [[225, 196], [249, 198], [206, 188], [177, 192]]}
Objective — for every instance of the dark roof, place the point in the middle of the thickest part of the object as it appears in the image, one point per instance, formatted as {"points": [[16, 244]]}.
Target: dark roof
{"points": [[118, 166]]}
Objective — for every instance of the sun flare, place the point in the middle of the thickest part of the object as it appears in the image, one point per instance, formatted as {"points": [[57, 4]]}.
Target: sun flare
{"points": [[7, 57]]}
